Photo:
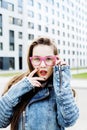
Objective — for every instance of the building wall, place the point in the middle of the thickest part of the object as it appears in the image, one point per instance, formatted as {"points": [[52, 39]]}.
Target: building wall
{"points": [[64, 21]]}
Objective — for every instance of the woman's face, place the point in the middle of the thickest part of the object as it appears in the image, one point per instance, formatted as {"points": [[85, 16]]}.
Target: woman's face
{"points": [[43, 51]]}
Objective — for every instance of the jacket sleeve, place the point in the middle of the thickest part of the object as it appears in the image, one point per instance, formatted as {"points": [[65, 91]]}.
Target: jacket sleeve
{"points": [[67, 110], [10, 99]]}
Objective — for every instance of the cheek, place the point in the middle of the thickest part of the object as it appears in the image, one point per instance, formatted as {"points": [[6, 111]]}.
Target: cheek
{"points": [[35, 67], [50, 71]]}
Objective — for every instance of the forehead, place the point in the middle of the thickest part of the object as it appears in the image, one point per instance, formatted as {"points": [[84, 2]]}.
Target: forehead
{"points": [[43, 50]]}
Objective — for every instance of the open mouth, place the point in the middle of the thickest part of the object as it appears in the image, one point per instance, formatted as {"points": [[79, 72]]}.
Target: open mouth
{"points": [[43, 72]]}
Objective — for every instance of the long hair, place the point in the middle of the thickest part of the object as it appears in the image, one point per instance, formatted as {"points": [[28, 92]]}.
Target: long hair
{"points": [[40, 41], [25, 98]]}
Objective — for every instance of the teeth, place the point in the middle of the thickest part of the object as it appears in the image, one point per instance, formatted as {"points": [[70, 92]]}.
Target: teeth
{"points": [[43, 72]]}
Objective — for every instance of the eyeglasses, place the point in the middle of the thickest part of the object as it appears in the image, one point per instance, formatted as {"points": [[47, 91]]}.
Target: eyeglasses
{"points": [[48, 60]]}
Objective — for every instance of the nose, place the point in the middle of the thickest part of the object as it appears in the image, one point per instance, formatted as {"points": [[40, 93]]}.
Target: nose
{"points": [[43, 64]]}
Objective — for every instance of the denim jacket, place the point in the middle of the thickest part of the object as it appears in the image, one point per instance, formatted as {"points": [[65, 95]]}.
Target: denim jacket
{"points": [[47, 110]]}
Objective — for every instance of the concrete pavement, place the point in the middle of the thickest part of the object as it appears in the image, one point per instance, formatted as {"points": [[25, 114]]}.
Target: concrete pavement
{"points": [[81, 98]]}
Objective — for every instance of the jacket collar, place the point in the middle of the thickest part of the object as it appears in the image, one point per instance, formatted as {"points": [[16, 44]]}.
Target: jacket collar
{"points": [[44, 91], [42, 94]]}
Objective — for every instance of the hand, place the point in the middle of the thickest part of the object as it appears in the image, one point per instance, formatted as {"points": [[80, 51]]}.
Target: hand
{"points": [[34, 80], [59, 61]]}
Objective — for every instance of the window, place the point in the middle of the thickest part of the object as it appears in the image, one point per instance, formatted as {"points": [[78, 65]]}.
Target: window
{"points": [[0, 24], [73, 36], [64, 43], [73, 52], [39, 5], [51, 2], [20, 50], [0, 3], [59, 51], [39, 16], [11, 46], [30, 13], [30, 25], [68, 51], [15, 21], [31, 36], [1, 46], [30, 2], [63, 7], [39, 27], [58, 23], [10, 7], [64, 51], [58, 13], [68, 43], [58, 42], [68, 35], [1, 62], [20, 2], [20, 8], [20, 35], [11, 63], [53, 11], [0, 31], [68, 26], [53, 31], [53, 22], [46, 29], [64, 34], [11, 20], [46, 19], [63, 25], [63, 16], [20, 56], [11, 40], [57, 4], [58, 32], [46, 9], [19, 22], [69, 61]]}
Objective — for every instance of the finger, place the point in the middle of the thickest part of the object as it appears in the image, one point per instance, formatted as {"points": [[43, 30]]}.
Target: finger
{"points": [[63, 63], [33, 72], [38, 78], [57, 57], [36, 84], [58, 62]]}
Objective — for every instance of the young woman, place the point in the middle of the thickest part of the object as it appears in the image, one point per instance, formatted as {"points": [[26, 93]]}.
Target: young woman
{"points": [[39, 99]]}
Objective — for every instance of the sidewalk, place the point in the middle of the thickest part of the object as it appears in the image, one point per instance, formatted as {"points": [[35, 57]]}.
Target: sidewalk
{"points": [[78, 71]]}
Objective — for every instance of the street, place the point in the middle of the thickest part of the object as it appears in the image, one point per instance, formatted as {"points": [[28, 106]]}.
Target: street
{"points": [[81, 96]]}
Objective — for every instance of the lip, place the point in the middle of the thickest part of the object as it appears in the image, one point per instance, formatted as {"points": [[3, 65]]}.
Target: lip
{"points": [[43, 72]]}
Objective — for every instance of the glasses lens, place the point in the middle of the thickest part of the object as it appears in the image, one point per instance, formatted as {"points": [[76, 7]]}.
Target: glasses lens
{"points": [[50, 60], [35, 60]]}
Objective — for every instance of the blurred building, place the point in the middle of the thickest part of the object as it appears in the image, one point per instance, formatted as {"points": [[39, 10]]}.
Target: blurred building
{"points": [[21, 21]]}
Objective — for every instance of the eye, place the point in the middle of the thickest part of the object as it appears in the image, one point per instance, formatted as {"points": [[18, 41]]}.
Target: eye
{"points": [[49, 59], [36, 58]]}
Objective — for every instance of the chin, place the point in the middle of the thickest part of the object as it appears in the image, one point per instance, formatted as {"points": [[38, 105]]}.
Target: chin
{"points": [[45, 77]]}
